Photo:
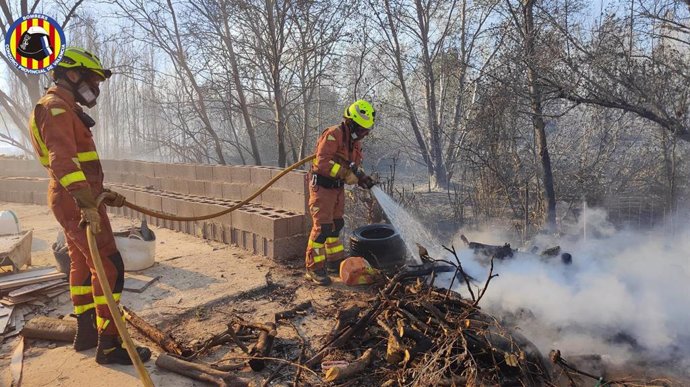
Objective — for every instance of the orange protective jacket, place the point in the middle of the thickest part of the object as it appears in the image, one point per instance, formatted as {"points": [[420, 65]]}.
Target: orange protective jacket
{"points": [[64, 144], [334, 151]]}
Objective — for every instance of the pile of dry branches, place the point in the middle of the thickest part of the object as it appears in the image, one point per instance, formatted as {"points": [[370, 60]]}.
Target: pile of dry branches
{"points": [[415, 334]]}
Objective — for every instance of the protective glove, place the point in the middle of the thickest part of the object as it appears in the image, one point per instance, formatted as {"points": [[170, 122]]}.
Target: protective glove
{"points": [[113, 199], [366, 182], [92, 217], [89, 212], [350, 177]]}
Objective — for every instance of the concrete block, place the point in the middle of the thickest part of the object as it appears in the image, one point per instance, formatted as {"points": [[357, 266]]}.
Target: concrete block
{"points": [[218, 232], [248, 190], [141, 180], [196, 187], [27, 197], [130, 179], [136, 167], [144, 168], [202, 209], [203, 172], [295, 202], [227, 234], [169, 205], [129, 194], [259, 175], [111, 165], [41, 198], [156, 182], [243, 218], [272, 198], [297, 224], [222, 173], [182, 171], [232, 191], [225, 219], [213, 189], [272, 225], [245, 240], [181, 186], [114, 177], [288, 248], [162, 170], [261, 224], [155, 202], [295, 181], [240, 175], [167, 185]]}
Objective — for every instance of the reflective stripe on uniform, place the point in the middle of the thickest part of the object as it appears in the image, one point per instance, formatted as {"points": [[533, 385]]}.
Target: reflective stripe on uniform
{"points": [[43, 154], [315, 244], [102, 323], [79, 309], [334, 169], [80, 290], [335, 249], [332, 239], [56, 111], [319, 253], [87, 156], [100, 300], [73, 177]]}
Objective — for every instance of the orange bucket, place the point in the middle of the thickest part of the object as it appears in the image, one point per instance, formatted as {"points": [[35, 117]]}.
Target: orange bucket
{"points": [[357, 271]]}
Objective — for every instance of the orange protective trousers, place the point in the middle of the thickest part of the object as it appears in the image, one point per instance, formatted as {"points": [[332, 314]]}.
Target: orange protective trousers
{"points": [[85, 290], [327, 207]]}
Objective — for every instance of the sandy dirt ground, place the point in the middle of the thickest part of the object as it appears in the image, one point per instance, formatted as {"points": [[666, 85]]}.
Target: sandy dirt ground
{"points": [[203, 286]]}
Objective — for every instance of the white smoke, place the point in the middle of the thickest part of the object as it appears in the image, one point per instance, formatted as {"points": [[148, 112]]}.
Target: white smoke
{"points": [[626, 295]]}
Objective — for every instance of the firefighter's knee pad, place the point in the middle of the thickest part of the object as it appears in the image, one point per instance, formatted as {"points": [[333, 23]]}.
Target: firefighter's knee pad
{"points": [[119, 264], [339, 224], [326, 231]]}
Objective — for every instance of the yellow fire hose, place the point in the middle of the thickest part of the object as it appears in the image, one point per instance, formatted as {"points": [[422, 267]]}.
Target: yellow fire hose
{"points": [[103, 280], [115, 310]]}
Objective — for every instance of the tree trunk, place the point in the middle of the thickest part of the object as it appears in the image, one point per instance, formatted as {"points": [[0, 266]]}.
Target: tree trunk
{"points": [[414, 123], [251, 133], [536, 99]]}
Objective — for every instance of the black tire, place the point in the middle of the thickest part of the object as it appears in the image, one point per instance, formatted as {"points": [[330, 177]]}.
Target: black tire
{"points": [[380, 244]]}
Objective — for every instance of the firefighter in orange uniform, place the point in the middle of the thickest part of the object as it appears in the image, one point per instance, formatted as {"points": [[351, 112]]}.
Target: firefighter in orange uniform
{"points": [[338, 162], [62, 138]]}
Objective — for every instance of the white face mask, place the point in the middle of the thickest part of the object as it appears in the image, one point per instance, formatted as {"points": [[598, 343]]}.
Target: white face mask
{"points": [[87, 95]]}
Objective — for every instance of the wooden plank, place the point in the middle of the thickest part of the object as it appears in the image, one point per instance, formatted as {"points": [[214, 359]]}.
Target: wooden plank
{"points": [[31, 297], [5, 318], [56, 291], [35, 287], [17, 363], [137, 283], [28, 274], [28, 281], [17, 300]]}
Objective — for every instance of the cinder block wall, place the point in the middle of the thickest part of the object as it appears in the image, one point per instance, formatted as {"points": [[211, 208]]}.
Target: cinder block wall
{"points": [[274, 224]]}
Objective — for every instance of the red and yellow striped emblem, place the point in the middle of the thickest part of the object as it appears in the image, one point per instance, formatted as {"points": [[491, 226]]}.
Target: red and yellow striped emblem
{"points": [[36, 43]]}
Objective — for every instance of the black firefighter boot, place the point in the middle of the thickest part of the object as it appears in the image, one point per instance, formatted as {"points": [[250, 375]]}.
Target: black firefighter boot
{"points": [[333, 267], [111, 351], [87, 334], [318, 276]]}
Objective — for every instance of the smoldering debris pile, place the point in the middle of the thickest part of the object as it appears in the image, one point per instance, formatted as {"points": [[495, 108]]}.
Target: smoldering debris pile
{"points": [[415, 334]]}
